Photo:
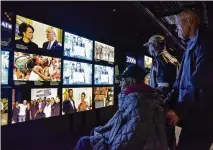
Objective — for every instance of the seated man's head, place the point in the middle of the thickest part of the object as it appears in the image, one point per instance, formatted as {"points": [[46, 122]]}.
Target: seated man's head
{"points": [[131, 76], [156, 45]]}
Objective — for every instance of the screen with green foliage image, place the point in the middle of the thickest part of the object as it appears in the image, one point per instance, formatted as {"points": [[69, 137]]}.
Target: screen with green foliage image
{"points": [[4, 111]]}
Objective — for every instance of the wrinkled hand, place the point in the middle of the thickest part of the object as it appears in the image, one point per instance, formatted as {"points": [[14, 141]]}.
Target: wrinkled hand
{"points": [[172, 117]]}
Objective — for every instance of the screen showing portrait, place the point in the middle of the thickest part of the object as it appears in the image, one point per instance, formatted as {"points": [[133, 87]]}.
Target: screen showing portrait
{"points": [[32, 67], [104, 75], [6, 29], [76, 100], [77, 73], [104, 52], [4, 67], [147, 62], [31, 35], [103, 96], [77, 47]]}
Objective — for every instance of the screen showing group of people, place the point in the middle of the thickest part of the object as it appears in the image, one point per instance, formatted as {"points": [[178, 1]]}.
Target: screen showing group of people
{"points": [[104, 75], [44, 103], [104, 52], [76, 100], [32, 67], [77, 47], [77, 73]]}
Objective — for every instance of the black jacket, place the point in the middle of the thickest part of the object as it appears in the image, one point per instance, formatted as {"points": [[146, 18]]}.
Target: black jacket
{"points": [[68, 108]]}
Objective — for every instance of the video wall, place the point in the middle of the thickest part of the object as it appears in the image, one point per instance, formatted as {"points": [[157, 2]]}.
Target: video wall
{"points": [[50, 72]]}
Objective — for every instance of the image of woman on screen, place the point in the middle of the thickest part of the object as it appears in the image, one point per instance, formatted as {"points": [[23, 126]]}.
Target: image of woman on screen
{"points": [[26, 33], [79, 75], [83, 106]]}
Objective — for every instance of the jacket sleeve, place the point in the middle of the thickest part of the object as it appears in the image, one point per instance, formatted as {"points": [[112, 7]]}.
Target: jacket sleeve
{"points": [[200, 79]]}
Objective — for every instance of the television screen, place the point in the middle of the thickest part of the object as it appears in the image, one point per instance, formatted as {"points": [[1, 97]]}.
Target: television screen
{"points": [[40, 103], [104, 75], [5, 66], [32, 67], [77, 47], [104, 52], [6, 29], [147, 62], [77, 73], [4, 110], [76, 100], [30, 35], [103, 96]]}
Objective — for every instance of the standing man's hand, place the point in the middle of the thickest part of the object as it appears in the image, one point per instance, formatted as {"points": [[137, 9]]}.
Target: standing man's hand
{"points": [[172, 117]]}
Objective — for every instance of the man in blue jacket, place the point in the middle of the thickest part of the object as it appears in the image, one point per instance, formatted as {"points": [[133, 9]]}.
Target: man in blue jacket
{"points": [[190, 103]]}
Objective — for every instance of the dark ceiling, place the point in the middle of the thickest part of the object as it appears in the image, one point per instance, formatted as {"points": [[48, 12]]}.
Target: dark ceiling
{"points": [[120, 24]]}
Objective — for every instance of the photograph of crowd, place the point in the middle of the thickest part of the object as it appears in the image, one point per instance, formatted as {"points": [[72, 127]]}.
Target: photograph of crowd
{"points": [[104, 75], [4, 67], [147, 62], [103, 96], [77, 73], [77, 47], [6, 29], [30, 34], [76, 100], [104, 52], [31, 67], [44, 103], [4, 111]]}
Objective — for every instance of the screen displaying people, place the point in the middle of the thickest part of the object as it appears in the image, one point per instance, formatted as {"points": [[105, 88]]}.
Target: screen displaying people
{"points": [[77, 73], [76, 100], [6, 29], [147, 62], [77, 47], [43, 103], [104, 52], [4, 110], [31, 35], [4, 67], [103, 96], [104, 75], [31, 67]]}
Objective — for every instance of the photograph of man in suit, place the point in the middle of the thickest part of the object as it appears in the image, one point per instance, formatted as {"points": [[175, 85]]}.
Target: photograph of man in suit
{"points": [[69, 104], [52, 44]]}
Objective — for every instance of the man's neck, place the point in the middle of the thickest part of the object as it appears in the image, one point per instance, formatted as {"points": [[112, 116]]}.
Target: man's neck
{"points": [[193, 33], [26, 40]]}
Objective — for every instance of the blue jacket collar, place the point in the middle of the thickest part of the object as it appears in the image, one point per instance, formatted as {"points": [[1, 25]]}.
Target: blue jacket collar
{"points": [[191, 44]]}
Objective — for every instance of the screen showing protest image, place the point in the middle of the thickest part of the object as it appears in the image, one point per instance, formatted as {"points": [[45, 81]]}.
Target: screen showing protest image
{"points": [[77, 73], [31, 67], [76, 100], [147, 62], [104, 75], [42, 103], [4, 110], [30, 34], [103, 96], [4, 67], [6, 29], [77, 47], [104, 52]]}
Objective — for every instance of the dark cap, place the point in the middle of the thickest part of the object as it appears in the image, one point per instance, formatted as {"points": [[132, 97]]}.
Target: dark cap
{"points": [[133, 71], [155, 39]]}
